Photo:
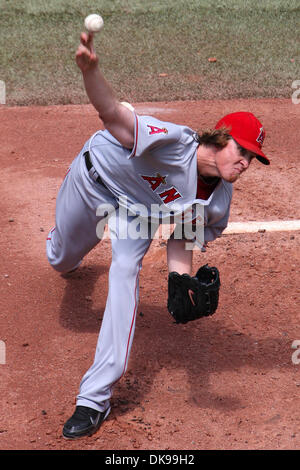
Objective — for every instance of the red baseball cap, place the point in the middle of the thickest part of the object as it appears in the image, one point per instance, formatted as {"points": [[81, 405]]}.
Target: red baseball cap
{"points": [[247, 130]]}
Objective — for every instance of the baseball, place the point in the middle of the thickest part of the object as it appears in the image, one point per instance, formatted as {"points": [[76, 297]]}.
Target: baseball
{"points": [[93, 23], [127, 105]]}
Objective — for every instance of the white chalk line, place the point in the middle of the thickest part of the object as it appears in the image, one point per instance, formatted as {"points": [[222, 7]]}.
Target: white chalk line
{"points": [[239, 227], [259, 226]]}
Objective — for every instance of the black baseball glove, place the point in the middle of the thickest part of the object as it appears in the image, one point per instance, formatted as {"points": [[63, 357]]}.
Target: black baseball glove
{"points": [[190, 298]]}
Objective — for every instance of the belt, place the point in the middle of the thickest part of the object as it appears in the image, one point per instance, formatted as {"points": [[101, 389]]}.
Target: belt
{"points": [[90, 168]]}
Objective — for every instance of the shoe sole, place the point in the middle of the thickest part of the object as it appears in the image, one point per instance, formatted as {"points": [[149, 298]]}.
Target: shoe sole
{"points": [[88, 434]]}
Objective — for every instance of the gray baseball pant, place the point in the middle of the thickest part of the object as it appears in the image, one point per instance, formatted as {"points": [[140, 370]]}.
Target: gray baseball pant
{"points": [[72, 238]]}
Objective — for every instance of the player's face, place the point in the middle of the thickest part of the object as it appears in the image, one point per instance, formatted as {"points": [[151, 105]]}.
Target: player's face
{"points": [[231, 161]]}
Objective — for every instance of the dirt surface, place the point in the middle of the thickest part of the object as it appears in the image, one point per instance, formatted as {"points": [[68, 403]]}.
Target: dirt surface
{"points": [[226, 382]]}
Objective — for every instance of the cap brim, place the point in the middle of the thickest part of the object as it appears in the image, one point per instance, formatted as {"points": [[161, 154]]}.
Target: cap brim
{"points": [[259, 153], [263, 159]]}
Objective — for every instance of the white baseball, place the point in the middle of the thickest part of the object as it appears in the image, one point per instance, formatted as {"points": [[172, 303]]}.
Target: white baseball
{"points": [[93, 23], [127, 105]]}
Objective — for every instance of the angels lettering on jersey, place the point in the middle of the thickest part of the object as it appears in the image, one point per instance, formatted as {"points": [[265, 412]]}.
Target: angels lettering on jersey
{"points": [[155, 182]]}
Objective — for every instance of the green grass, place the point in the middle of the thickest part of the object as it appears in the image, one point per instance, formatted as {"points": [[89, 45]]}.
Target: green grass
{"points": [[253, 42]]}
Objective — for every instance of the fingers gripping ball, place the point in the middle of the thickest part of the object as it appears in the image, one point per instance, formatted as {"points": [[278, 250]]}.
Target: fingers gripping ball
{"points": [[190, 298], [93, 23]]}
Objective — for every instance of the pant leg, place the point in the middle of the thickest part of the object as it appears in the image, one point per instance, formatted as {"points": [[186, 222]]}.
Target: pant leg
{"points": [[74, 234], [118, 325]]}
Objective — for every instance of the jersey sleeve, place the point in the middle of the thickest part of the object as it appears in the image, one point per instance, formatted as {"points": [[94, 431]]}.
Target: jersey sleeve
{"points": [[216, 217], [151, 134], [213, 231]]}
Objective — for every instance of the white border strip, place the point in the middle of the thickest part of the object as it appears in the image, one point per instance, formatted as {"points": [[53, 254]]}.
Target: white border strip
{"points": [[268, 226]]}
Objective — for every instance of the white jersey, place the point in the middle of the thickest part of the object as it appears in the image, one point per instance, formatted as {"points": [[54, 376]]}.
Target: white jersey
{"points": [[159, 172]]}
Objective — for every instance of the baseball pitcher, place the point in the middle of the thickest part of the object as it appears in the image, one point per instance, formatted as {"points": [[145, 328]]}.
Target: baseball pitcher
{"points": [[163, 168]]}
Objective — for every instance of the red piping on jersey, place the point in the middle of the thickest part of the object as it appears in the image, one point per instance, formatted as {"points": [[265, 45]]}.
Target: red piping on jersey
{"points": [[132, 323], [51, 231], [67, 173], [136, 136], [130, 332]]}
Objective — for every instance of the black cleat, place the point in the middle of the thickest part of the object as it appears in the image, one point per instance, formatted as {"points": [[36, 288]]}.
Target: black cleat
{"points": [[84, 422]]}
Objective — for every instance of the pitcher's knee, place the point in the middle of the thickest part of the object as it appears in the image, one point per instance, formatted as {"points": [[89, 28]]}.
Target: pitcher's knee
{"points": [[63, 265], [60, 260]]}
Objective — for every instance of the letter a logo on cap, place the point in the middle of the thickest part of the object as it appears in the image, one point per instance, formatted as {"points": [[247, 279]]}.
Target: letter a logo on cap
{"points": [[260, 138]]}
